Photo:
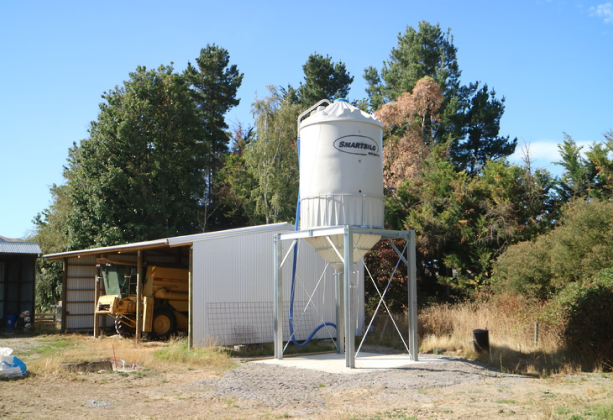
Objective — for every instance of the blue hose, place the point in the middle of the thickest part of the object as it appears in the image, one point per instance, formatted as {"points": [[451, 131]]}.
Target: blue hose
{"points": [[293, 288]]}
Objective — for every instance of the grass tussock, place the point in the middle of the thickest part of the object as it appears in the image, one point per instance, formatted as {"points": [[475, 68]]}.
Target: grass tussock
{"points": [[177, 352]]}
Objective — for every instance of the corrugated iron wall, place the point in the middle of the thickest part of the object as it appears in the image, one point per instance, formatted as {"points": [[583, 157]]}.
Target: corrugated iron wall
{"points": [[79, 286], [233, 291]]}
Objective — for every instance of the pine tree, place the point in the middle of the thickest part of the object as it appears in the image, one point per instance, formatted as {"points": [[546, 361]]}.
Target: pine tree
{"points": [[323, 79], [469, 116], [214, 84]]}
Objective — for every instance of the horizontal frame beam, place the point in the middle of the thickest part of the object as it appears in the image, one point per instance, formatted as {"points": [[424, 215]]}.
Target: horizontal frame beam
{"points": [[335, 230]]}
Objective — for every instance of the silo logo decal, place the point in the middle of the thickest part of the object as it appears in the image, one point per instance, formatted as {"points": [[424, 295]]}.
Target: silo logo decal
{"points": [[357, 145]]}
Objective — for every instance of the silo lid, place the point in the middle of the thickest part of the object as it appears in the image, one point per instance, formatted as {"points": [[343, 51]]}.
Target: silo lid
{"points": [[340, 110]]}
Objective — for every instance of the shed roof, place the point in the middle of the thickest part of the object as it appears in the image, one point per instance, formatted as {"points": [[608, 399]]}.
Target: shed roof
{"points": [[170, 242], [11, 247]]}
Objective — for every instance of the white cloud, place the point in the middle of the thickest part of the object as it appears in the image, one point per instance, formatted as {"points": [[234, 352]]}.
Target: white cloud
{"points": [[604, 11]]}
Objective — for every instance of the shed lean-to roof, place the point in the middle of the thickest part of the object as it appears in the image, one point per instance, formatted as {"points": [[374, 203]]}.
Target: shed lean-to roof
{"points": [[29, 248], [170, 242]]}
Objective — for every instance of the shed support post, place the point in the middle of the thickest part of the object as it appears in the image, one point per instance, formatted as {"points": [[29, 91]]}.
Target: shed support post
{"points": [[139, 296], [96, 297], [190, 305], [278, 300], [64, 292]]}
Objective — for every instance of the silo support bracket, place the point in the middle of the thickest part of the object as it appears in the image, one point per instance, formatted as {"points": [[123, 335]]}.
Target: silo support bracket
{"points": [[400, 254], [289, 251], [346, 306], [335, 249]]}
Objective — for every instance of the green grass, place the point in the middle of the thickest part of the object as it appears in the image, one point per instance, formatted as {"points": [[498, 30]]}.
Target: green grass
{"points": [[563, 411], [48, 346], [603, 412], [596, 412], [393, 414]]}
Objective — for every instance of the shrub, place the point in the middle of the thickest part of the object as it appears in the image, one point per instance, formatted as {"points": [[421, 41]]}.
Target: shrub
{"points": [[525, 268], [583, 244], [585, 311], [578, 248]]}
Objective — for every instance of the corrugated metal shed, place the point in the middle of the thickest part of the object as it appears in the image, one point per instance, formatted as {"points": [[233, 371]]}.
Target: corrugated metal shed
{"points": [[17, 261], [234, 283], [20, 248], [232, 295]]}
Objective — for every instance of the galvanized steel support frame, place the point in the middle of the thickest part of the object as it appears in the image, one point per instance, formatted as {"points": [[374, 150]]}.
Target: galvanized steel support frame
{"points": [[344, 304]]}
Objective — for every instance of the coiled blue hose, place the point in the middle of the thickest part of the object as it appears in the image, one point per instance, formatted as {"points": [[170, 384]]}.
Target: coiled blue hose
{"points": [[293, 288]]}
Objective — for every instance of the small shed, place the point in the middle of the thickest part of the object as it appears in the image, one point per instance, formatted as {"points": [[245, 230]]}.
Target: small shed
{"points": [[232, 271], [17, 286]]}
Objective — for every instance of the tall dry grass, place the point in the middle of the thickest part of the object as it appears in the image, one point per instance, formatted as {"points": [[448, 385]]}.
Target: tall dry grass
{"points": [[512, 324], [511, 321]]}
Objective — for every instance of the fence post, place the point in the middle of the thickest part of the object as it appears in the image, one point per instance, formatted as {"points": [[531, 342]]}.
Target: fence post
{"points": [[536, 334]]}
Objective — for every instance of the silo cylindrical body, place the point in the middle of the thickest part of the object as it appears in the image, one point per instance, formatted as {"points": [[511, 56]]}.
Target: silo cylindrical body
{"points": [[341, 177], [341, 168]]}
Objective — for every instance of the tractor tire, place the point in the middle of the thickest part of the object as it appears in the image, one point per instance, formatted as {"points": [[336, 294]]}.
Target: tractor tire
{"points": [[123, 330], [164, 323]]}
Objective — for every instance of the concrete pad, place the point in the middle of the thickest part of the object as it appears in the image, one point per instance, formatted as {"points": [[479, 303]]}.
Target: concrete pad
{"points": [[335, 363]]}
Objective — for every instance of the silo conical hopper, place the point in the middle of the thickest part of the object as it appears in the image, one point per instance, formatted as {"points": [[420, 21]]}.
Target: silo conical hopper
{"points": [[341, 177]]}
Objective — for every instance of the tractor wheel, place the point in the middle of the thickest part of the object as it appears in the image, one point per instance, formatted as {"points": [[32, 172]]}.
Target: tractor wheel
{"points": [[123, 330], [164, 323]]}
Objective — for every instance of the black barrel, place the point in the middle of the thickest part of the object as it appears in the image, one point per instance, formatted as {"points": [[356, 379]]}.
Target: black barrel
{"points": [[481, 339]]}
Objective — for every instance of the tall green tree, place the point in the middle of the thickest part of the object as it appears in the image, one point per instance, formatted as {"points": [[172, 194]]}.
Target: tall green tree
{"points": [[469, 115], [236, 182], [272, 160], [51, 234], [464, 223], [578, 175], [323, 79], [481, 141], [214, 84], [263, 176], [586, 177], [425, 51], [140, 174]]}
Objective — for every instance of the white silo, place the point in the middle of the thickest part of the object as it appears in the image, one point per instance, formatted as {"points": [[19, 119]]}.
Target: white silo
{"points": [[341, 176], [341, 209]]}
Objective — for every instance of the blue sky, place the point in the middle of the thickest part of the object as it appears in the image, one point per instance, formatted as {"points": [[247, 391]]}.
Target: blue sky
{"points": [[551, 60]]}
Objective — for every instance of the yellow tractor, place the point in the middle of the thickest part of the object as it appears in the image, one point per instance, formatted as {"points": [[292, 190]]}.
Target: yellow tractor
{"points": [[165, 295]]}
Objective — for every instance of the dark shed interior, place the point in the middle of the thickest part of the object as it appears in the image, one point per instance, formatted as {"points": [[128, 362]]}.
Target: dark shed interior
{"points": [[17, 278]]}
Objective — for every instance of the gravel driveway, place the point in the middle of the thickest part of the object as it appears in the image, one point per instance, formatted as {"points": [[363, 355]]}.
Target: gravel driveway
{"points": [[291, 387]]}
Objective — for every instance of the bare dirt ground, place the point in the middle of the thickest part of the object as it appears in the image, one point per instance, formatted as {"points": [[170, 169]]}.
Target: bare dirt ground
{"points": [[450, 389]]}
